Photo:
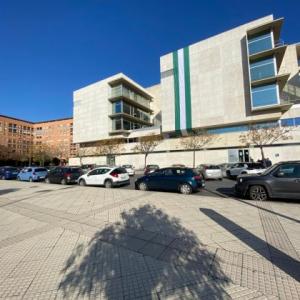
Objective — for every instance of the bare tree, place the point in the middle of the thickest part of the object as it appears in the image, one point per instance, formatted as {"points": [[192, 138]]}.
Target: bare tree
{"points": [[81, 152], [41, 153], [147, 144], [4, 152], [262, 136], [196, 140], [62, 151], [109, 147]]}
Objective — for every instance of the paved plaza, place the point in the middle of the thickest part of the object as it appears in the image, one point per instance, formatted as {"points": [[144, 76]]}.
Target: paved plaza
{"points": [[71, 242]]}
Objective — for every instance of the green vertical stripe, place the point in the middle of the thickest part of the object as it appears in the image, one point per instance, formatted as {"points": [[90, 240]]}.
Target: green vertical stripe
{"points": [[187, 80], [176, 90]]}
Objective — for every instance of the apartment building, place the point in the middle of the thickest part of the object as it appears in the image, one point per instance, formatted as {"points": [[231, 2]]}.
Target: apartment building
{"points": [[19, 136]]}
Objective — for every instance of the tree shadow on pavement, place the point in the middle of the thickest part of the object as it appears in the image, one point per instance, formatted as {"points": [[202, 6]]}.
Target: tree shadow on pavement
{"points": [[149, 255], [7, 191]]}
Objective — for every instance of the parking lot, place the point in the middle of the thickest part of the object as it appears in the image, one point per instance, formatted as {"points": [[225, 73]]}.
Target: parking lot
{"points": [[219, 188], [72, 242]]}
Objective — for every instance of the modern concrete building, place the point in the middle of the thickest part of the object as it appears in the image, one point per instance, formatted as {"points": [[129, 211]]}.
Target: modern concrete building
{"points": [[223, 84], [17, 137]]}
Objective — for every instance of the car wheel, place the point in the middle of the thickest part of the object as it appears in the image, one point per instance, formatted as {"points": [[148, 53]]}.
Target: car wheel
{"points": [[30, 179], [108, 184], [82, 182], [258, 193], [220, 178], [63, 181], [47, 180], [143, 186], [185, 189], [243, 172]]}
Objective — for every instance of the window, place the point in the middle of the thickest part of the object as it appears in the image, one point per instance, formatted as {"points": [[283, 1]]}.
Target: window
{"points": [[260, 42], [262, 68], [117, 124], [117, 107], [288, 171], [264, 95]]}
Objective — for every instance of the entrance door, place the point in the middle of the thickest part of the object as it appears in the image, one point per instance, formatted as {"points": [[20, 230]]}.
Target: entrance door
{"points": [[111, 160]]}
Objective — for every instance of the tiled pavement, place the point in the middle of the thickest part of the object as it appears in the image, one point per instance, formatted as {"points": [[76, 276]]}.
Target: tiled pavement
{"points": [[62, 242]]}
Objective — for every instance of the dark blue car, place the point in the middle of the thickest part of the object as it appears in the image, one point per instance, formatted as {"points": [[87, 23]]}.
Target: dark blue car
{"points": [[8, 172], [183, 180]]}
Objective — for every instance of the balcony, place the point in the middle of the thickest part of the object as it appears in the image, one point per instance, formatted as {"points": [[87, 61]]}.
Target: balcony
{"points": [[129, 96], [283, 105], [280, 79]]}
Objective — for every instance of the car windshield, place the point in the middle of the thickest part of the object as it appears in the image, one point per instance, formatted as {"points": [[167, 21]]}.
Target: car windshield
{"points": [[270, 169], [152, 166], [73, 170], [40, 170], [11, 169], [212, 167]]}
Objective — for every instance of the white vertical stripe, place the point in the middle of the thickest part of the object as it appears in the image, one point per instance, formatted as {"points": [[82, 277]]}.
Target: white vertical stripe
{"points": [[181, 89]]}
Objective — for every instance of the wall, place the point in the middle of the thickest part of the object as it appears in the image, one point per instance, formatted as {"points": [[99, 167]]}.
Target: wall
{"points": [[219, 81]]}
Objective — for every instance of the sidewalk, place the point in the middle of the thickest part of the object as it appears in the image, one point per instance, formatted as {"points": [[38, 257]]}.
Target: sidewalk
{"points": [[69, 242]]}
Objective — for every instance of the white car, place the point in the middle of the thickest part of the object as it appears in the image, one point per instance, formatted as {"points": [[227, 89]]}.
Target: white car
{"points": [[105, 176], [245, 168], [129, 169]]}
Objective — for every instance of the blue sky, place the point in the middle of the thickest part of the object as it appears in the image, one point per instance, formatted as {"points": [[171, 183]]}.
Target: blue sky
{"points": [[50, 48]]}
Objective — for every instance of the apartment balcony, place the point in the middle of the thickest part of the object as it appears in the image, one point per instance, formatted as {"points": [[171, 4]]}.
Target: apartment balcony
{"points": [[282, 106], [280, 79]]}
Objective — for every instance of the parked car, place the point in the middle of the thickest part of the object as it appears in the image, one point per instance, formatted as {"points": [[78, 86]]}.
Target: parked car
{"points": [[8, 172], [129, 169], [282, 180], [210, 171], [150, 169], [32, 174], [87, 168], [224, 167], [245, 168], [64, 175], [183, 180], [107, 176]]}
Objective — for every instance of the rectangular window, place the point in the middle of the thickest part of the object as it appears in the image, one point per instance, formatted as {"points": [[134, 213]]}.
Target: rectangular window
{"points": [[117, 107], [288, 122], [117, 124], [262, 68], [264, 95], [126, 125], [260, 42], [126, 108]]}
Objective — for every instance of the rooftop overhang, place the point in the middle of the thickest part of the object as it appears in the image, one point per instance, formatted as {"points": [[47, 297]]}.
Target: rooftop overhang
{"points": [[277, 51], [274, 25], [282, 106], [281, 79], [131, 85]]}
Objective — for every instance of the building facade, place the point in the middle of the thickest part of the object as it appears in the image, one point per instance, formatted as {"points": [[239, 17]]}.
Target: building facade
{"points": [[19, 137], [223, 84]]}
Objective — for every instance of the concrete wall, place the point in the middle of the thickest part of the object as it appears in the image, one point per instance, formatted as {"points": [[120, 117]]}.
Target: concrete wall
{"points": [[155, 105], [216, 156], [219, 81], [91, 110]]}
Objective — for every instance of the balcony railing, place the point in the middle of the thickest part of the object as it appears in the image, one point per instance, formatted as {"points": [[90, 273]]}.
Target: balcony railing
{"points": [[120, 90]]}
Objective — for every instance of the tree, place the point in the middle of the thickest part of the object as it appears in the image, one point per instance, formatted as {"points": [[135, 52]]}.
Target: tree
{"points": [[81, 152], [147, 144], [109, 147], [196, 140], [262, 136], [61, 150], [41, 153], [4, 152]]}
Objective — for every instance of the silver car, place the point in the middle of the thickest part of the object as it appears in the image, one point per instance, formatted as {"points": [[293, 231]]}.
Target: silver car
{"points": [[210, 171], [244, 168]]}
